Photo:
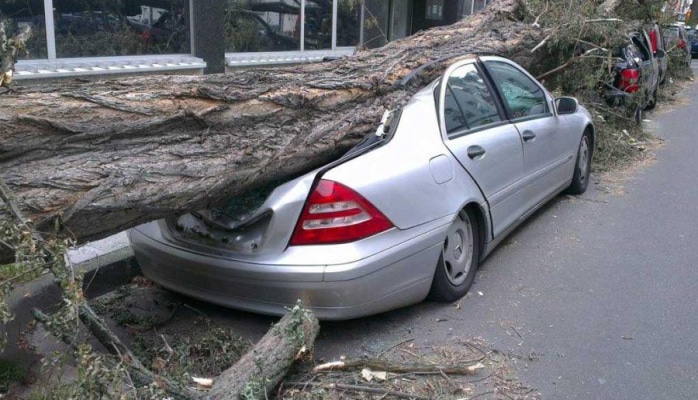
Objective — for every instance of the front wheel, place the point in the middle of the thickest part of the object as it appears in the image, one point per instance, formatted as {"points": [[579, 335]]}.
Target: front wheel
{"points": [[460, 254], [582, 167]]}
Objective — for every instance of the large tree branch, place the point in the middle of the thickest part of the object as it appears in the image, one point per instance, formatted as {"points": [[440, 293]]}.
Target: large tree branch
{"points": [[110, 155]]}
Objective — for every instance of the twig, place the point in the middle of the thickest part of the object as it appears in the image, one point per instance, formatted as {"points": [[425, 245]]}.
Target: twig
{"points": [[482, 394], [542, 43], [483, 378], [195, 310], [413, 354], [9, 198], [606, 110], [535, 23], [27, 272], [591, 44], [141, 374], [453, 385], [473, 346], [592, 21], [356, 388], [167, 347], [4, 243], [394, 346], [380, 365], [128, 375], [517, 333]]}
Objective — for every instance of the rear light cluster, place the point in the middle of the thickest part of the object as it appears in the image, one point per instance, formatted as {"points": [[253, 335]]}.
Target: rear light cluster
{"points": [[336, 214], [682, 44], [629, 80]]}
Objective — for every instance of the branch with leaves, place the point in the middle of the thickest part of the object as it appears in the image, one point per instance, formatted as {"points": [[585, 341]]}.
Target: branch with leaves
{"points": [[10, 48]]}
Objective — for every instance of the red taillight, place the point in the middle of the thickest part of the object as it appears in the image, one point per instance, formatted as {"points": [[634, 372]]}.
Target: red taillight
{"points": [[653, 40], [336, 214], [629, 79], [682, 44]]}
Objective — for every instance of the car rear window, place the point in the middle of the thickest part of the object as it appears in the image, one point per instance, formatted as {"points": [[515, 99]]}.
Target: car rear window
{"points": [[642, 51]]}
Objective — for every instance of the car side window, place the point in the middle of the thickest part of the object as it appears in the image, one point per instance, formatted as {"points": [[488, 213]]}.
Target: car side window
{"points": [[522, 96], [644, 51], [468, 103]]}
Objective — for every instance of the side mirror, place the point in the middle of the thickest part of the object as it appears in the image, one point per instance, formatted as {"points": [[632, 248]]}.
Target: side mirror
{"points": [[566, 105]]}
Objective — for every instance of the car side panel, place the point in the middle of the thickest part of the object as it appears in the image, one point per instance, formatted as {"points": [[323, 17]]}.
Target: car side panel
{"points": [[546, 156]]}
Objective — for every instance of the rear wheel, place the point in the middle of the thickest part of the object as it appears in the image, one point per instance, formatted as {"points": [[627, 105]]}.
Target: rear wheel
{"points": [[460, 254], [652, 102], [582, 167], [638, 115]]}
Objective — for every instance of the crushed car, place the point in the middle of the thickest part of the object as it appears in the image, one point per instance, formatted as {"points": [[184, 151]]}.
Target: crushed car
{"points": [[409, 213]]}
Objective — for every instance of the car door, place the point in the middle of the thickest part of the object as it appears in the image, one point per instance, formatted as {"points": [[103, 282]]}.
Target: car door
{"points": [[660, 53], [484, 143], [547, 145], [649, 68]]}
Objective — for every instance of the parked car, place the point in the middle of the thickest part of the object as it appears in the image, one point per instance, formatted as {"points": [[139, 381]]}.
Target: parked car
{"points": [[409, 212], [635, 75], [693, 39], [676, 39], [658, 47], [86, 22]]}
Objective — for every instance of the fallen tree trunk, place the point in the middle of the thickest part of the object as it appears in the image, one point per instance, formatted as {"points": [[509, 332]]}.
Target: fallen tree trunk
{"points": [[105, 156], [263, 367]]}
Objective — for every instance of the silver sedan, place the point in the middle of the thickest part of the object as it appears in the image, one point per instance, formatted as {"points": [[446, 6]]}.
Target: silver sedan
{"points": [[408, 214]]}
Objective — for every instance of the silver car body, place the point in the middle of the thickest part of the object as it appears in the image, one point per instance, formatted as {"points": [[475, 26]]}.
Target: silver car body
{"points": [[420, 179]]}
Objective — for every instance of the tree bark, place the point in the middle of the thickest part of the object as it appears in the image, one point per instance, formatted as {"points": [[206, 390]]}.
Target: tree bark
{"points": [[106, 156], [263, 367]]}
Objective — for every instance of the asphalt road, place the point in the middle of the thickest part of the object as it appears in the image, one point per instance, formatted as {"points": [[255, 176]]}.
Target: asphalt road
{"points": [[601, 290]]}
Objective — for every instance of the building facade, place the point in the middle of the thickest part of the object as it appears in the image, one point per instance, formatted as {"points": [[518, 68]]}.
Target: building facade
{"points": [[95, 37]]}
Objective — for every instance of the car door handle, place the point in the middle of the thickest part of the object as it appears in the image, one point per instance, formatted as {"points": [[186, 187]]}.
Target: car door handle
{"points": [[528, 136], [475, 151]]}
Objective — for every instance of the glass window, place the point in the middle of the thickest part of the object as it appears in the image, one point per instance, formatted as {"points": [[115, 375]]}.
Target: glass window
{"points": [[375, 23], [318, 24], [262, 25], [20, 14], [522, 96], [468, 102], [93, 28], [348, 22], [479, 5], [642, 46], [401, 23]]}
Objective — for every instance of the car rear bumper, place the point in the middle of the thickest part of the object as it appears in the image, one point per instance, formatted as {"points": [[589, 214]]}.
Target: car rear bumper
{"points": [[617, 97], [392, 278]]}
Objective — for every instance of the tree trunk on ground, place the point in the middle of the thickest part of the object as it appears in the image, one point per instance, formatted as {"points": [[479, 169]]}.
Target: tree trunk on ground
{"points": [[105, 156], [263, 367]]}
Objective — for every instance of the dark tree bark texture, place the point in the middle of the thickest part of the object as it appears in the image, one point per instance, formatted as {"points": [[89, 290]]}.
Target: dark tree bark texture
{"points": [[108, 155], [263, 367]]}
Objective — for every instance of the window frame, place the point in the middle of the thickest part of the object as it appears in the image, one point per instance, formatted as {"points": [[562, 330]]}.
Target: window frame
{"points": [[244, 59], [63, 67], [440, 101], [549, 101]]}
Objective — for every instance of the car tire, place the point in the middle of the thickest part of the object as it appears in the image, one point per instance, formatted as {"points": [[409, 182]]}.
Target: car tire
{"points": [[637, 115], [460, 256], [582, 165], [653, 101]]}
